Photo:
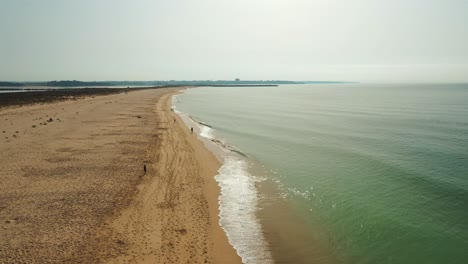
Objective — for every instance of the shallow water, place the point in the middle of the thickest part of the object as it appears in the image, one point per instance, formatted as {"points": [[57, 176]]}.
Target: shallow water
{"points": [[368, 173]]}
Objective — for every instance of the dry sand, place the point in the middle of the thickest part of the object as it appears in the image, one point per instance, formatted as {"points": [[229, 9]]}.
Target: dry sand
{"points": [[73, 190]]}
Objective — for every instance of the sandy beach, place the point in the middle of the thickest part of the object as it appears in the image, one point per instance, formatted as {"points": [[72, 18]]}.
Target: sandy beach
{"points": [[73, 188]]}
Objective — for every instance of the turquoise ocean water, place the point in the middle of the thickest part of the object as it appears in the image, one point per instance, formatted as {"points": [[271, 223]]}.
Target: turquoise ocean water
{"points": [[373, 173]]}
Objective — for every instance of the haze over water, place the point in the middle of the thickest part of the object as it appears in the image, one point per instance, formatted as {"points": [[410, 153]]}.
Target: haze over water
{"points": [[375, 173]]}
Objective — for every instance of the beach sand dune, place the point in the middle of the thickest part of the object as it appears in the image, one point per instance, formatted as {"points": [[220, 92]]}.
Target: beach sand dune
{"points": [[73, 188]]}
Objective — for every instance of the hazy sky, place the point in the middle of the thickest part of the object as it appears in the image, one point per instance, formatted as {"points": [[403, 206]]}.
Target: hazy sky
{"points": [[355, 40]]}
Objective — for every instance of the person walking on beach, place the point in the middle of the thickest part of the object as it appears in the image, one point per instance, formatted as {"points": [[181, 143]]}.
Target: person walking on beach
{"points": [[144, 168], [191, 130]]}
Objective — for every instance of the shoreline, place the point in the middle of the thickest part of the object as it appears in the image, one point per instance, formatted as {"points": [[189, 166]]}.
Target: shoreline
{"points": [[238, 215], [224, 251], [73, 189]]}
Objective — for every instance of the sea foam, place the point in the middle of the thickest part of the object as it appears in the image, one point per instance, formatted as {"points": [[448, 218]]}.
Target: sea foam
{"points": [[206, 132], [238, 202], [238, 206]]}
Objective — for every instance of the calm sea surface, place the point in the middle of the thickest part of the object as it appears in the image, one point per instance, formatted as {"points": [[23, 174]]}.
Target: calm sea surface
{"points": [[366, 173]]}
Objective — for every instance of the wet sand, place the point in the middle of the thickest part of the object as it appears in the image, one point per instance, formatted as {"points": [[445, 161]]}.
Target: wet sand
{"points": [[73, 189]]}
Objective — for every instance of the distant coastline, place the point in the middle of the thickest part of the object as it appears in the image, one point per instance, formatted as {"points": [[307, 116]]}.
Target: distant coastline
{"points": [[214, 83]]}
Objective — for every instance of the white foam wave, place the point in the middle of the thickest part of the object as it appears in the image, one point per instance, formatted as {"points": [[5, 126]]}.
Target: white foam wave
{"points": [[206, 132], [238, 201], [174, 101], [238, 205]]}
